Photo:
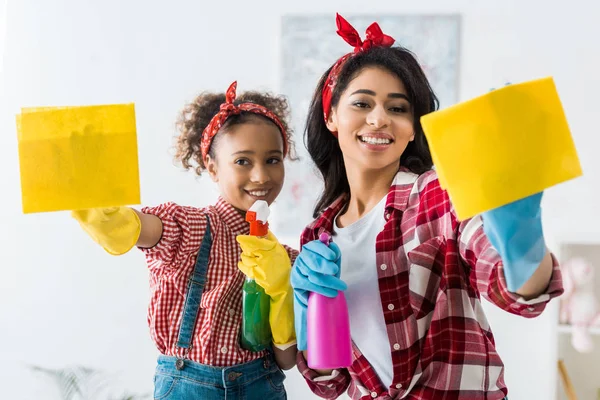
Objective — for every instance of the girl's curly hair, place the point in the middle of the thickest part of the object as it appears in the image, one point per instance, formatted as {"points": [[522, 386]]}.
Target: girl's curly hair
{"points": [[196, 116]]}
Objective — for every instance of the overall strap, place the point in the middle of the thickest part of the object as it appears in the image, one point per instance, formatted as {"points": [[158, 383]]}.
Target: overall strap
{"points": [[195, 288]]}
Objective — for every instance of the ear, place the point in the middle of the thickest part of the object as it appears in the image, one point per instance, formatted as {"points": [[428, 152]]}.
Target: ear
{"points": [[211, 167], [412, 137], [331, 122]]}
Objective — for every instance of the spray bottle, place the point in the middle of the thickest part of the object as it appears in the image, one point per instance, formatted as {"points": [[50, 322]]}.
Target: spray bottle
{"points": [[329, 345], [256, 330]]}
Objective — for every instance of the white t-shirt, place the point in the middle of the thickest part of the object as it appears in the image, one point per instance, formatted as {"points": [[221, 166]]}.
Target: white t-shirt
{"points": [[359, 271]]}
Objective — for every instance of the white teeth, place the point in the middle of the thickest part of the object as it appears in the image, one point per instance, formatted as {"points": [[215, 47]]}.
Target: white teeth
{"points": [[259, 193], [372, 140]]}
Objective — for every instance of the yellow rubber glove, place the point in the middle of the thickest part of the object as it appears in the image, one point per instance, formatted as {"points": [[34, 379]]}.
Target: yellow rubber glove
{"points": [[116, 229], [267, 262]]}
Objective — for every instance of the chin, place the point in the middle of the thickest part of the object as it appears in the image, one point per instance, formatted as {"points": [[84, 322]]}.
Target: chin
{"points": [[379, 164]]}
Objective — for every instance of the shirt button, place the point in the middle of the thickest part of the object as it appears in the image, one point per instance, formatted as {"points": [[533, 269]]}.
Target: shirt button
{"points": [[383, 267], [390, 306], [399, 386], [396, 346], [373, 394], [224, 350], [531, 309]]}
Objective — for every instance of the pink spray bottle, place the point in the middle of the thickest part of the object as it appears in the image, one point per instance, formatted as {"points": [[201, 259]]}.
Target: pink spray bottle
{"points": [[329, 345]]}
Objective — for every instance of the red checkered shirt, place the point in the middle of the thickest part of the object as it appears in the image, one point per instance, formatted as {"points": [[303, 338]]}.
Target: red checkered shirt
{"points": [[432, 271], [171, 261]]}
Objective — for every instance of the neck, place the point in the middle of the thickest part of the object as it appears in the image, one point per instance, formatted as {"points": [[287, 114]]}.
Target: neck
{"points": [[367, 188]]}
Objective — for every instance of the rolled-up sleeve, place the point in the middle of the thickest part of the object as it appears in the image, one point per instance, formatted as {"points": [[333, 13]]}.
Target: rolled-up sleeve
{"points": [[325, 387], [488, 276], [183, 229], [292, 253]]}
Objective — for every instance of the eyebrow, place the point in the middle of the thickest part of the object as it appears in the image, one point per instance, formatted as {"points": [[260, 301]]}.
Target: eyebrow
{"points": [[251, 152], [390, 95]]}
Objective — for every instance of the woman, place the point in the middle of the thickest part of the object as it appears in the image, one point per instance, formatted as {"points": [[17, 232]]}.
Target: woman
{"points": [[413, 273]]}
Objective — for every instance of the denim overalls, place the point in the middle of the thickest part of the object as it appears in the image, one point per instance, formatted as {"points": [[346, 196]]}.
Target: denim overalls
{"points": [[182, 379]]}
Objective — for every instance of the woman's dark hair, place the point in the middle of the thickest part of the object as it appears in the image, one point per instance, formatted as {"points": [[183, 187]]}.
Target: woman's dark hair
{"points": [[323, 146], [196, 115]]}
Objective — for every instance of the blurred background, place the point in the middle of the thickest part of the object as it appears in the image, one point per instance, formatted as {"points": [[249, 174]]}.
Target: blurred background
{"points": [[70, 311]]}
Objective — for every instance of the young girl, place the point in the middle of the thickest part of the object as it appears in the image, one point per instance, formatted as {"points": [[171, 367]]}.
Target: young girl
{"points": [[413, 273], [195, 311]]}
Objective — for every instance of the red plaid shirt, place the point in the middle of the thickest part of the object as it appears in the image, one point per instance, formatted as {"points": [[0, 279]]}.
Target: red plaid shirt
{"points": [[171, 261], [432, 272]]}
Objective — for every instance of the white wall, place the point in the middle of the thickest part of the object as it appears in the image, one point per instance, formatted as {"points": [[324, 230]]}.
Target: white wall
{"points": [[64, 301]]}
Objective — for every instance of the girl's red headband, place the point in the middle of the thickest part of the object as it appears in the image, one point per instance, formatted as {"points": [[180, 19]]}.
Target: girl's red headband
{"points": [[228, 109]]}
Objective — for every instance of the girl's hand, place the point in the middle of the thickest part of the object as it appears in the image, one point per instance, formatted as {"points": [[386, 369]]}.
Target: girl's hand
{"points": [[266, 261], [116, 229]]}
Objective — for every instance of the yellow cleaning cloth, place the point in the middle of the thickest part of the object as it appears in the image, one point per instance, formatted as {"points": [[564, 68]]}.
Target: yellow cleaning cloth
{"points": [[501, 147], [75, 158]]}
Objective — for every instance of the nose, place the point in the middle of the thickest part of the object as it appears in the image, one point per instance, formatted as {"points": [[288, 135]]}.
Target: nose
{"points": [[378, 118], [260, 174]]}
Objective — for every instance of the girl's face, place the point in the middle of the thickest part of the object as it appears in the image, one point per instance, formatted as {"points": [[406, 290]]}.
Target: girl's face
{"points": [[374, 120], [249, 164]]}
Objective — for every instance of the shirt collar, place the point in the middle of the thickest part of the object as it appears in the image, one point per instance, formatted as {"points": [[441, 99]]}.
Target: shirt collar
{"points": [[232, 217], [400, 190], [397, 199]]}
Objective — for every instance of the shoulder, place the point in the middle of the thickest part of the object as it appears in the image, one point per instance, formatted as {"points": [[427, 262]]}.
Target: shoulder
{"points": [[324, 222], [425, 199], [428, 181], [185, 218], [173, 209], [430, 190]]}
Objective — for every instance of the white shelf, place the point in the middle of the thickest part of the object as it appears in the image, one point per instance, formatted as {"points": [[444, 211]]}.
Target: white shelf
{"points": [[581, 367], [563, 328]]}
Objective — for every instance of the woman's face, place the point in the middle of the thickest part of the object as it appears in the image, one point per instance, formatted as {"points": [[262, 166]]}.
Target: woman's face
{"points": [[374, 120]]}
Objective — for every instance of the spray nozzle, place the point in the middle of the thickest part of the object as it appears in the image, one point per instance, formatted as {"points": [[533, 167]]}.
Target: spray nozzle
{"points": [[325, 238], [257, 216]]}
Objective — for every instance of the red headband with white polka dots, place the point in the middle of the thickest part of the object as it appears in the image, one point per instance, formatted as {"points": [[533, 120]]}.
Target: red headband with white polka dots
{"points": [[374, 37], [228, 109]]}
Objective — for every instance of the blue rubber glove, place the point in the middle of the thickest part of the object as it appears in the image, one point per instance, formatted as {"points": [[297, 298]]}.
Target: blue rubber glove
{"points": [[316, 269], [515, 231]]}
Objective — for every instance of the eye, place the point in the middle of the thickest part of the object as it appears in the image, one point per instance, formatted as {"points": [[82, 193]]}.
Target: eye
{"points": [[242, 161], [399, 109], [273, 160], [360, 104]]}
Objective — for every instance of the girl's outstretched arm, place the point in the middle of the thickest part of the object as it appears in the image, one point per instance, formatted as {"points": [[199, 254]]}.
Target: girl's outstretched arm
{"points": [[150, 230], [118, 229]]}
